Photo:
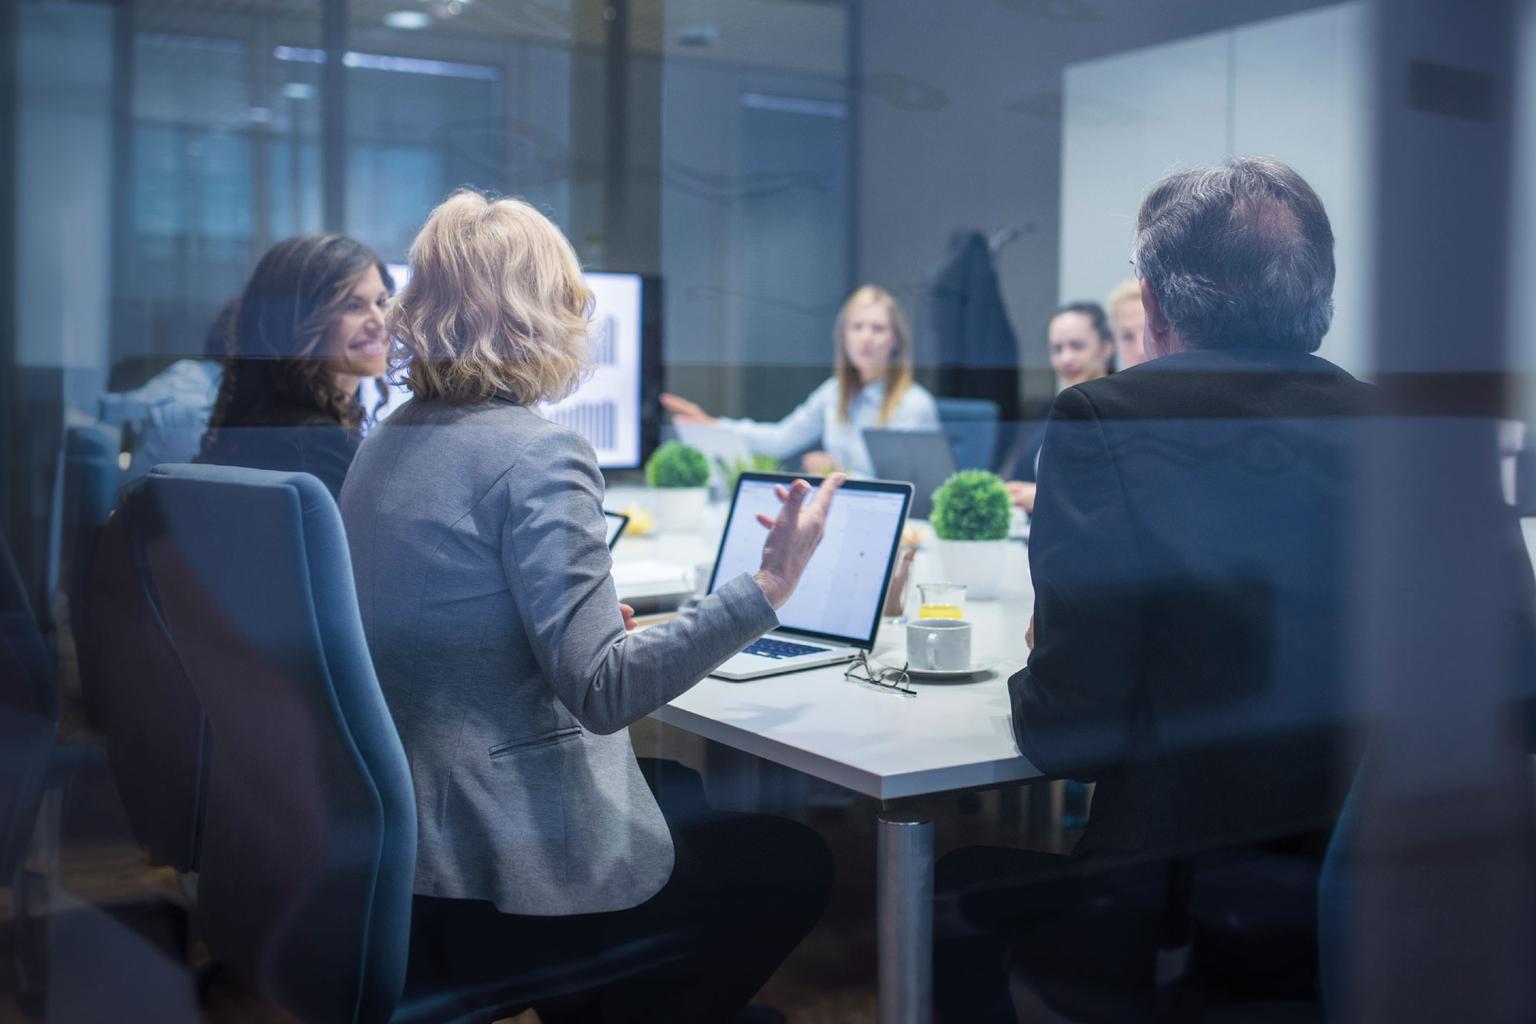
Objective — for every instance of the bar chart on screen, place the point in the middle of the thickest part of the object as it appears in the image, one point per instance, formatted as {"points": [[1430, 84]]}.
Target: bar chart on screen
{"points": [[604, 348], [605, 409], [596, 421]]}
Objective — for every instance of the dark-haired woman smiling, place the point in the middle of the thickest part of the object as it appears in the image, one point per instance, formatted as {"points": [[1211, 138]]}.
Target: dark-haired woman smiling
{"points": [[311, 328]]}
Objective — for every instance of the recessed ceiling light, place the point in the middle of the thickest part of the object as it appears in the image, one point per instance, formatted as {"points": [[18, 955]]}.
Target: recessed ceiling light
{"points": [[407, 19], [299, 91], [698, 35]]}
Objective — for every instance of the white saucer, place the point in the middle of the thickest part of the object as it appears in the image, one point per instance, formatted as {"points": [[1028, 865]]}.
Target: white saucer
{"points": [[977, 667]]}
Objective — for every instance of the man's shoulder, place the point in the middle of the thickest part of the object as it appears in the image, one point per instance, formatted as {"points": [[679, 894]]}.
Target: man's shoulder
{"points": [[1227, 384]]}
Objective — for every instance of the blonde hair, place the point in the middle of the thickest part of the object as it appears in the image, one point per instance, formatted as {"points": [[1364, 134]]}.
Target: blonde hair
{"points": [[496, 304], [898, 373], [1126, 291]]}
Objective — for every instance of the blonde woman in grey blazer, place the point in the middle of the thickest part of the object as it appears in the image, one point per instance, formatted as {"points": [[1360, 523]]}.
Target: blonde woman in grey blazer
{"points": [[477, 538]]}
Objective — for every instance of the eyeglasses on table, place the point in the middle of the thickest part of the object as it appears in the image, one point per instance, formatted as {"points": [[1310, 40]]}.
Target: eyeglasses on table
{"points": [[894, 680]]}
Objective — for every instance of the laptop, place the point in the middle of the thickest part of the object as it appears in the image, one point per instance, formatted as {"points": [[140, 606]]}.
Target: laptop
{"points": [[723, 447], [923, 457], [835, 611], [616, 523]]}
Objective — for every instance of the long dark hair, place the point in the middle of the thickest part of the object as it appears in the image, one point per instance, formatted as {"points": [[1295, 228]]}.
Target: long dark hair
{"points": [[297, 289]]}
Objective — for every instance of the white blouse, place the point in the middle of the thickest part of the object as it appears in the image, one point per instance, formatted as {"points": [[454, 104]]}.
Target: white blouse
{"points": [[815, 422]]}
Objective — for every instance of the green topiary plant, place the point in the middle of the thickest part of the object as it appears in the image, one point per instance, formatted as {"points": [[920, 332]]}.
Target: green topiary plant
{"points": [[972, 505], [730, 471], [675, 464]]}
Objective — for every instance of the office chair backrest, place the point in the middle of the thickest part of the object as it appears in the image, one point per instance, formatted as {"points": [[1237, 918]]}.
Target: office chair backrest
{"points": [[309, 835], [971, 424], [91, 477], [136, 691], [29, 715]]}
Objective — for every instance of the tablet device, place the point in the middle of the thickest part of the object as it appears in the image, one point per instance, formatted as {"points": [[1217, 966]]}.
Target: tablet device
{"points": [[616, 523]]}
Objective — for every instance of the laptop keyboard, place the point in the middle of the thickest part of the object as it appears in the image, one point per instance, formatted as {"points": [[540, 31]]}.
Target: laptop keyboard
{"points": [[781, 649]]}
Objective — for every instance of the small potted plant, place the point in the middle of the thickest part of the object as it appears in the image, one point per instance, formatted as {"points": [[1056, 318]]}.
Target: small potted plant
{"points": [[679, 479], [971, 511]]}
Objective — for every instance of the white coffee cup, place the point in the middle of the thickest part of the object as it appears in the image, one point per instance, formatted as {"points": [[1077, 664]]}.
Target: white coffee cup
{"points": [[939, 645]]}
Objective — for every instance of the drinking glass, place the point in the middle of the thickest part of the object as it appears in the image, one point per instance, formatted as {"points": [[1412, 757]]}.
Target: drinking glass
{"points": [[941, 600]]}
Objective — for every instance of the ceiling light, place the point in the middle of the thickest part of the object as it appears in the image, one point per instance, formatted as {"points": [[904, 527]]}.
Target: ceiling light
{"points": [[299, 91], [698, 35], [407, 19]]}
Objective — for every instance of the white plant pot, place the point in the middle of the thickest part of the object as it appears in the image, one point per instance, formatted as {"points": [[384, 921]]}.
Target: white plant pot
{"points": [[976, 563], [678, 509]]}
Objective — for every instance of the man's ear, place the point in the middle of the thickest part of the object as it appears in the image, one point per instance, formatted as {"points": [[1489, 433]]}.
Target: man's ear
{"points": [[1160, 337]]}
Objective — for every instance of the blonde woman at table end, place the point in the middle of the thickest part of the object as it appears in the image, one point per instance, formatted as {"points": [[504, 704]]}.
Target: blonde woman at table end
{"points": [[872, 386], [484, 582]]}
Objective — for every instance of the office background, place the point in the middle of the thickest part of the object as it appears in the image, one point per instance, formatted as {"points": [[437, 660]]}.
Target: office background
{"points": [[760, 157]]}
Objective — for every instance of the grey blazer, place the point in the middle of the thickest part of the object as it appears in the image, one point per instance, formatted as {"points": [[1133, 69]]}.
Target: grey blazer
{"points": [[477, 539]]}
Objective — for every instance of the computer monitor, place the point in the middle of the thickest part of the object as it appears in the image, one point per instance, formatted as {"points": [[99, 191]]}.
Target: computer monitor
{"points": [[615, 408], [618, 408]]}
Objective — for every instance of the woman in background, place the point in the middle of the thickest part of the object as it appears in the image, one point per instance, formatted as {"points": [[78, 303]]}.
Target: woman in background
{"points": [[1129, 321], [309, 330], [1082, 349], [871, 387]]}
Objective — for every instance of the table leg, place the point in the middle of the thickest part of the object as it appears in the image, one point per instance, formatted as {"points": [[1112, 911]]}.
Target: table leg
{"points": [[904, 917]]}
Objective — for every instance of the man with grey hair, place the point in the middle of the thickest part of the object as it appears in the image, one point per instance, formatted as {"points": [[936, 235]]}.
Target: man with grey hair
{"points": [[1188, 552]]}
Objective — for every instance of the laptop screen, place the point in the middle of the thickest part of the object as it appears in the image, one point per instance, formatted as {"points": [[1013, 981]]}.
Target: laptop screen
{"points": [[840, 596]]}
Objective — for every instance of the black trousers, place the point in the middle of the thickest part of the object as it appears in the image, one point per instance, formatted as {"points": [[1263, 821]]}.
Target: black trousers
{"points": [[744, 891], [1100, 940]]}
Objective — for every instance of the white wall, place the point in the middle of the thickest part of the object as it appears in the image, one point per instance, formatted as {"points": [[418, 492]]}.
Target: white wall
{"points": [[754, 208], [1294, 88], [1126, 121], [961, 126]]}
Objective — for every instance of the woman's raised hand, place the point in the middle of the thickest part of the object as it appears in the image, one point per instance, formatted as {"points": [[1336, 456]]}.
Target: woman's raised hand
{"points": [[684, 411], [793, 536]]}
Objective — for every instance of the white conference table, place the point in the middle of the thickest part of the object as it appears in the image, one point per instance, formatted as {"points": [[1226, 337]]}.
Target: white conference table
{"points": [[950, 737]]}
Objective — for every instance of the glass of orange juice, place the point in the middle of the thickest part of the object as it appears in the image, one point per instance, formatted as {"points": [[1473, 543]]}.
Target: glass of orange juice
{"points": [[941, 600]]}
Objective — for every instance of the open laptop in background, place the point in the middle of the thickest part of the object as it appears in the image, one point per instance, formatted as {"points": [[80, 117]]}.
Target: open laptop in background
{"points": [[924, 458], [835, 611], [723, 447]]}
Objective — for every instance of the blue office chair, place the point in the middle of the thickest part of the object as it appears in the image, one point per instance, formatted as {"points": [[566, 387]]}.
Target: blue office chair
{"points": [[309, 834], [83, 486], [29, 715], [36, 770], [91, 476], [972, 426], [136, 692]]}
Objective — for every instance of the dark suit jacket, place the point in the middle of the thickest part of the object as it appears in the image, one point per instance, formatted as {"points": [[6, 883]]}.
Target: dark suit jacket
{"points": [[970, 350], [1189, 554], [288, 439]]}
